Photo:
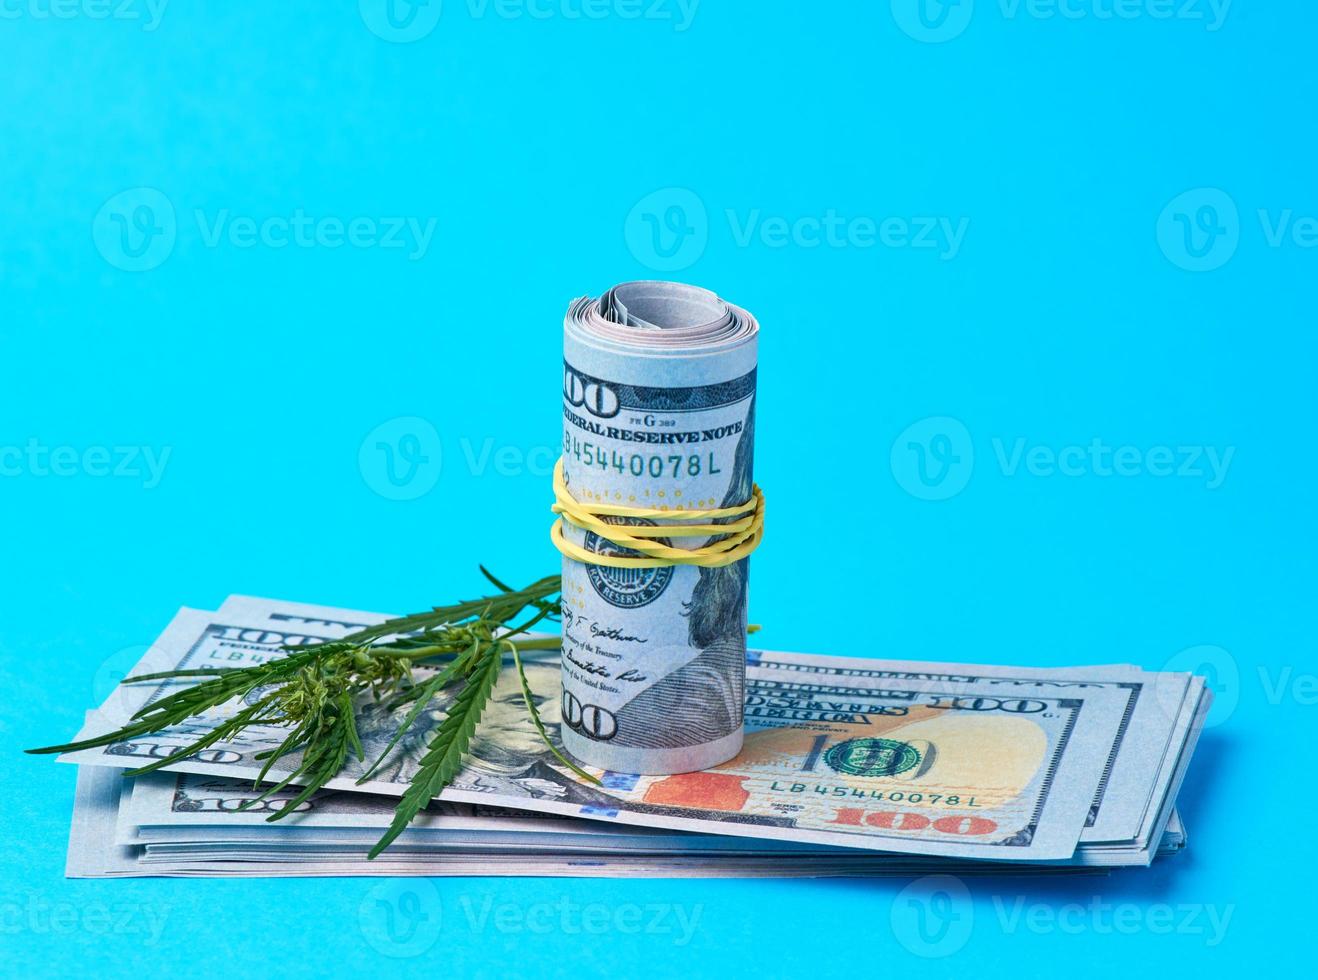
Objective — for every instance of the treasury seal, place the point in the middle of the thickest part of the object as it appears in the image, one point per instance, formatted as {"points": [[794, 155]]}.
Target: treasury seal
{"points": [[872, 757], [626, 588]]}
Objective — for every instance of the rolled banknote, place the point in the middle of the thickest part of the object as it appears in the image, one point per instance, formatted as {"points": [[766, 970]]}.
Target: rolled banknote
{"points": [[658, 413]]}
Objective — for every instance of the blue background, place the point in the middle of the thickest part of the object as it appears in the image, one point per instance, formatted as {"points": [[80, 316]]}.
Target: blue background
{"points": [[1091, 298]]}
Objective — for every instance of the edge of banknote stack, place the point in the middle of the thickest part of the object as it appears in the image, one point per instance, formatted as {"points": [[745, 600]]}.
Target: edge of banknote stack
{"points": [[851, 767]]}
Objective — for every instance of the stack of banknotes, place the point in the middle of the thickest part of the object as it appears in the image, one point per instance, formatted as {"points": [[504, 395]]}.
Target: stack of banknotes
{"points": [[852, 766]]}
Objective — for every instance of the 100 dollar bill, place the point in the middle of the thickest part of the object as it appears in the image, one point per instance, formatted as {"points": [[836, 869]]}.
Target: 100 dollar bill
{"points": [[923, 766], [658, 413], [1137, 776]]}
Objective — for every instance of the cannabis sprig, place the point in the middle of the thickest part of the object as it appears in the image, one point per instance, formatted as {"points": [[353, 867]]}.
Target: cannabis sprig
{"points": [[314, 691]]}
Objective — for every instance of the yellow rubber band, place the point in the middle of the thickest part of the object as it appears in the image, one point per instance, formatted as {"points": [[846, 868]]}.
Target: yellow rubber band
{"points": [[737, 539]]}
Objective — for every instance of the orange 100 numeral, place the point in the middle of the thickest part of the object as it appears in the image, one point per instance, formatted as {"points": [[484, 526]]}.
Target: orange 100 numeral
{"points": [[900, 820]]}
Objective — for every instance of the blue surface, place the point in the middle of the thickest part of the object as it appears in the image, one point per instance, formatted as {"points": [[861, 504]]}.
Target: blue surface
{"points": [[1115, 282]]}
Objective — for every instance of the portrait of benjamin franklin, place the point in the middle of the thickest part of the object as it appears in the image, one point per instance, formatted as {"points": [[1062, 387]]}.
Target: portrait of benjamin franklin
{"points": [[704, 699]]}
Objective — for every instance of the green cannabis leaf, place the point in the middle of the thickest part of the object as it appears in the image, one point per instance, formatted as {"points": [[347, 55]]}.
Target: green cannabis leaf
{"points": [[314, 690], [444, 754]]}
